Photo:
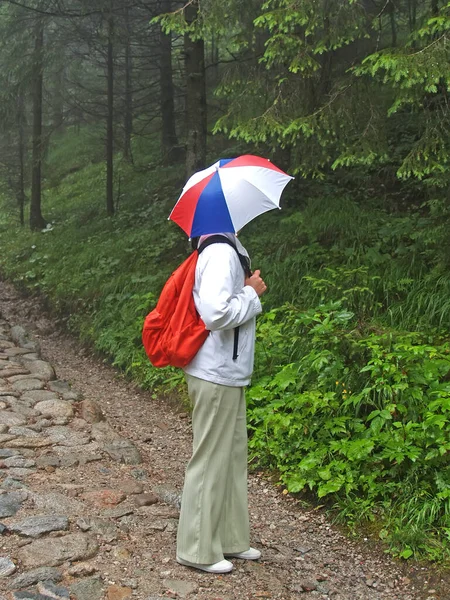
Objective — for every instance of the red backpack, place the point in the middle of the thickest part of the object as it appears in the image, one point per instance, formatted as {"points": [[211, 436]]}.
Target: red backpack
{"points": [[173, 332]]}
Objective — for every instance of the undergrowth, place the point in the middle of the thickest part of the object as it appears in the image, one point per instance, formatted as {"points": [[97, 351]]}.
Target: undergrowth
{"points": [[351, 393]]}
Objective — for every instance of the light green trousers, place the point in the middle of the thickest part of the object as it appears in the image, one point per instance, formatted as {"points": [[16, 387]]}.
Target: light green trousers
{"points": [[214, 509]]}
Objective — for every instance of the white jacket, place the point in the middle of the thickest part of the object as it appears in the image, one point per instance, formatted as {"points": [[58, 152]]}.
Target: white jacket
{"points": [[224, 303]]}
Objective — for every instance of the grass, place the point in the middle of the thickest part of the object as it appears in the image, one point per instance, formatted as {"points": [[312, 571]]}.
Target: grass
{"points": [[104, 274]]}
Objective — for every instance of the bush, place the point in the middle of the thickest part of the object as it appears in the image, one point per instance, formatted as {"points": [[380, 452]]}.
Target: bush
{"points": [[358, 417]]}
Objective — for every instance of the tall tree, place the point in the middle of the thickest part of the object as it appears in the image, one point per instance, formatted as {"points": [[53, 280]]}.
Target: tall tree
{"points": [[110, 114], [196, 124], [128, 104], [169, 141], [37, 221]]}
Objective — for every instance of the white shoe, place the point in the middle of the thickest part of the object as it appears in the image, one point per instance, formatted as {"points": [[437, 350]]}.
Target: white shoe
{"points": [[223, 566], [250, 554]]}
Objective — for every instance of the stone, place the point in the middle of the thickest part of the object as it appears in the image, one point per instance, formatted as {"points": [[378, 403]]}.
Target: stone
{"points": [[24, 432], [32, 577], [132, 583], [40, 368], [7, 364], [86, 449], [59, 386], [308, 586], [118, 513], [28, 442], [19, 335], [140, 474], [168, 495], [18, 461], [28, 595], [7, 392], [10, 483], [3, 428], [16, 351], [6, 344], [91, 411], [7, 453], [43, 423], [18, 377], [101, 527], [62, 421], [182, 588], [81, 570], [123, 451], [55, 551], [80, 425], [71, 396], [15, 374], [131, 487], [33, 356], [11, 419], [23, 409], [146, 499], [116, 592], [65, 436], [54, 408], [47, 461], [157, 526], [59, 504], [121, 553], [29, 384], [104, 498], [38, 525], [6, 437], [19, 473], [39, 395], [103, 433], [10, 504], [88, 589], [69, 460], [48, 588], [7, 567]]}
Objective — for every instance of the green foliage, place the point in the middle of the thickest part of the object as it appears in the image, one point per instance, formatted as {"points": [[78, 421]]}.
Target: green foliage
{"points": [[350, 401], [358, 417], [102, 275], [332, 107]]}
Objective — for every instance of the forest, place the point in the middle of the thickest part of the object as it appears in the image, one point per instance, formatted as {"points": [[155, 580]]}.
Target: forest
{"points": [[108, 106]]}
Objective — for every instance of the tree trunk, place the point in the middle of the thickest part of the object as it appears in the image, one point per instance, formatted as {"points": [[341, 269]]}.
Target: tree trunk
{"points": [[214, 60], [169, 141], [393, 24], [412, 14], [110, 120], [37, 221], [195, 97], [21, 157], [326, 60], [58, 102], [128, 113]]}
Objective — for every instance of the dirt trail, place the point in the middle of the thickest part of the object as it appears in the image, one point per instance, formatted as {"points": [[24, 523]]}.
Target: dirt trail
{"points": [[304, 556]]}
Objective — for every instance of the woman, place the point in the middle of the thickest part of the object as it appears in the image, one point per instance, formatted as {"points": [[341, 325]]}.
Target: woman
{"points": [[214, 522]]}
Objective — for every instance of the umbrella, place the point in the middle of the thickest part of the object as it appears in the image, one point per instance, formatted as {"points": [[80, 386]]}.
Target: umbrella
{"points": [[228, 194]]}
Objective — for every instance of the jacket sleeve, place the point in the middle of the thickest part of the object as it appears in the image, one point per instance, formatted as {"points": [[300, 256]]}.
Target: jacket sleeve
{"points": [[222, 300]]}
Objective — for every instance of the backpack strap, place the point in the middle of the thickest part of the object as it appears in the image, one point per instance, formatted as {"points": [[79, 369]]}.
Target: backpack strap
{"points": [[245, 262], [221, 239]]}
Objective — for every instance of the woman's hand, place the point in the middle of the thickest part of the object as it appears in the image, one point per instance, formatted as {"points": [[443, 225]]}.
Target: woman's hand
{"points": [[256, 283]]}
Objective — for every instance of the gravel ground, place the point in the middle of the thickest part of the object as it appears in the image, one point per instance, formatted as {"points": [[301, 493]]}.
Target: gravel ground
{"points": [[303, 555]]}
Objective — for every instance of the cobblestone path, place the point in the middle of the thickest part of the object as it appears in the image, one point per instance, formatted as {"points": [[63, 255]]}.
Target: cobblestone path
{"points": [[90, 476]]}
